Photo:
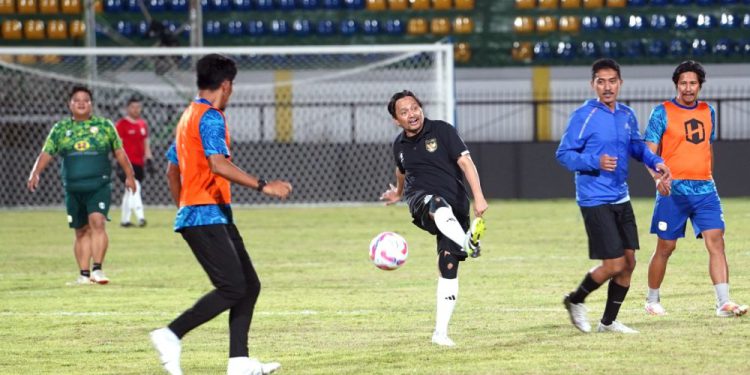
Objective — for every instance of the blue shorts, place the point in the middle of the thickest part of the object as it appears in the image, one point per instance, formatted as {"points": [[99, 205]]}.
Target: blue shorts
{"points": [[671, 214]]}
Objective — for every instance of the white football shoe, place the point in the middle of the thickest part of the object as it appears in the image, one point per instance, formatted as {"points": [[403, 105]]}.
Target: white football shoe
{"points": [[80, 280], [250, 366], [99, 277], [169, 348], [442, 339], [730, 309], [655, 308], [578, 314], [615, 326]]}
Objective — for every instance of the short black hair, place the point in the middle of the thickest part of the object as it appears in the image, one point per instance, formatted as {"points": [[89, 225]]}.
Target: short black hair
{"points": [[400, 95], [689, 66], [605, 63], [134, 99], [79, 88], [213, 70]]}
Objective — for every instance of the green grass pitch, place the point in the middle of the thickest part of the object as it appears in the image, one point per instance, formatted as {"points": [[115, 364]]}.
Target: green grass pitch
{"points": [[324, 309]]}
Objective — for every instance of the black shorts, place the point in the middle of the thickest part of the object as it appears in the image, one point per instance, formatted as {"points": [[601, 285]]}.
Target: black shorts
{"points": [[419, 207], [611, 229], [137, 169]]}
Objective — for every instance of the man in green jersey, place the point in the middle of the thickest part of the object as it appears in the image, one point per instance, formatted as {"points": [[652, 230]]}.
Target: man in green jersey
{"points": [[84, 143]]}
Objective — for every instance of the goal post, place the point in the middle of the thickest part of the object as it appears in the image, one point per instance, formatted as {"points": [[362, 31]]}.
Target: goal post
{"points": [[315, 115]]}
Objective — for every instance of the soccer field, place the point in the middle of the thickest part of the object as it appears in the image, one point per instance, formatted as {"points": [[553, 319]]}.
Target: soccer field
{"points": [[325, 309]]}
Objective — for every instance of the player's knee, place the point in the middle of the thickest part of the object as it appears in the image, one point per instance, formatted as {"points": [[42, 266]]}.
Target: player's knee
{"points": [[436, 203], [234, 290], [448, 265]]}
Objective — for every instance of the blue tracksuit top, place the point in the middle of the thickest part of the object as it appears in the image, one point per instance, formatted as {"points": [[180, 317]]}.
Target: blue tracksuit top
{"points": [[593, 130]]}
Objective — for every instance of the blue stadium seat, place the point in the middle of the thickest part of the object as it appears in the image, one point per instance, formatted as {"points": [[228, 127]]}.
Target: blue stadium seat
{"points": [[542, 50], [286, 4], [678, 48], [746, 21], [682, 2], [371, 27], [142, 29], [264, 4], [394, 27], [348, 27], [212, 28], [205, 5], [301, 27], [637, 23], [658, 22], [743, 47], [235, 28], [332, 4], [279, 27], [590, 23], [220, 5], [633, 48], [112, 6], [354, 4], [658, 3], [565, 50], [636, 3], [705, 2], [610, 48], [255, 27], [326, 27], [156, 5], [132, 6], [657, 48], [728, 21], [684, 22], [724, 47], [613, 23], [308, 4], [705, 21], [177, 5], [700, 47], [242, 5], [125, 28], [170, 26], [589, 50]]}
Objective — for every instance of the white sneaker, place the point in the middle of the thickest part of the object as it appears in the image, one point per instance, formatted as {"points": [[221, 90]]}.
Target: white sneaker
{"points": [[615, 327], [655, 308], [730, 309], [169, 348], [99, 277], [578, 314], [81, 280], [250, 366], [442, 339]]}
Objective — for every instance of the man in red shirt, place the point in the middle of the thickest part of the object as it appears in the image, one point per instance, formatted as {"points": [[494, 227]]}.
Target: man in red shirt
{"points": [[134, 134]]}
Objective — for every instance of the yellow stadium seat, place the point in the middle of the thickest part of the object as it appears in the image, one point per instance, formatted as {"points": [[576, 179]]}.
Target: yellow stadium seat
{"points": [[570, 24], [523, 24], [465, 4], [26, 6], [57, 29], [546, 24], [7, 7], [547, 4], [49, 6], [375, 4], [398, 4], [462, 52], [51, 59], [34, 29], [440, 26], [71, 6], [416, 26], [419, 4], [568, 4], [12, 29], [77, 29], [463, 25], [525, 4], [617, 3], [522, 51], [6, 58], [26, 59], [442, 4], [592, 4], [98, 6]]}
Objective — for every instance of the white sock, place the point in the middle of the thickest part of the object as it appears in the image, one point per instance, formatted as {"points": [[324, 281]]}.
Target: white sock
{"points": [[722, 293], [136, 203], [447, 294], [125, 217], [448, 225], [653, 295]]}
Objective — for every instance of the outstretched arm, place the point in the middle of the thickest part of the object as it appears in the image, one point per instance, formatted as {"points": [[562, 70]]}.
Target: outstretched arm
{"points": [[41, 163], [472, 177], [221, 166]]}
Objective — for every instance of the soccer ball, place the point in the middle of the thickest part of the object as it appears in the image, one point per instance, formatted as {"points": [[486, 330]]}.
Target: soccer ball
{"points": [[388, 251]]}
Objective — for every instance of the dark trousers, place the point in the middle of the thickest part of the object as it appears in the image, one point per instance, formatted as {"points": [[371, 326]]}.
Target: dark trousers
{"points": [[221, 252]]}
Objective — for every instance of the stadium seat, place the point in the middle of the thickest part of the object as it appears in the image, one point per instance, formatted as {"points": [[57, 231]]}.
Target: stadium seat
{"points": [[463, 25], [590, 23], [700, 47], [743, 47], [12, 29], [565, 50], [593, 4], [177, 5], [658, 22], [724, 47], [547, 4], [728, 21], [525, 4], [57, 29], [464, 4], [33, 29], [658, 3], [522, 51], [264, 4], [633, 48], [7, 7], [683, 22], [682, 2], [636, 3], [26, 6], [113, 6], [569, 24], [132, 6], [546, 24], [255, 27], [746, 21], [354, 4], [348, 27], [326, 27], [279, 27], [235, 28], [657, 48], [417, 26], [442, 4], [394, 27], [705, 2], [156, 5], [523, 24], [730, 2], [72, 6], [542, 51], [220, 5], [98, 6], [589, 50], [637, 23], [301, 27], [462, 52], [376, 5], [678, 48], [212, 28], [46, 6], [142, 28], [420, 4], [398, 4], [285, 4], [308, 4], [26, 59], [617, 3], [332, 4], [570, 4], [371, 26], [613, 23], [705, 21], [51, 59], [440, 26], [610, 48], [77, 29], [124, 28]]}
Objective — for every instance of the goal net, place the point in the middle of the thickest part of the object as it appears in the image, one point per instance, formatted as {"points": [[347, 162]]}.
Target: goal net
{"points": [[313, 115]]}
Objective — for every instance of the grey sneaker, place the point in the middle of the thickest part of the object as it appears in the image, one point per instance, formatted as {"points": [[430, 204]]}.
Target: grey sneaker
{"points": [[578, 314], [616, 327]]}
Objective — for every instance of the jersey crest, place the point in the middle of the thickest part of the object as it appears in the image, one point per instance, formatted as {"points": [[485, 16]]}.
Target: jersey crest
{"points": [[431, 144]]}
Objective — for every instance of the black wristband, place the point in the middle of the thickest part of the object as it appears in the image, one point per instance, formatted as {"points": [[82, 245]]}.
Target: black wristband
{"points": [[261, 184]]}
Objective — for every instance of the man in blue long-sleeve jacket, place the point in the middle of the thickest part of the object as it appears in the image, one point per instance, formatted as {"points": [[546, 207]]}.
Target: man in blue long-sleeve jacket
{"points": [[600, 136]]}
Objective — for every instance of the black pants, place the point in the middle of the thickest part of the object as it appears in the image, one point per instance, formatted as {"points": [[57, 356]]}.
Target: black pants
{"points": [[221, 252]]}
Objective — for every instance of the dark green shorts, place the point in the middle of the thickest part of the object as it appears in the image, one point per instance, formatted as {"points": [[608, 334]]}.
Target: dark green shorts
{"points": [[80, 204]]}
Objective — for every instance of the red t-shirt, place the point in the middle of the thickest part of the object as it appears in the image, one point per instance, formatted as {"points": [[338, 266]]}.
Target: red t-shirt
{"points": [[133, 135]]}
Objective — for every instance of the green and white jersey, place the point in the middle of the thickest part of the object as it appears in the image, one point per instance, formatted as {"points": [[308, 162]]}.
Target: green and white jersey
{"points": [[85, 147]]}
